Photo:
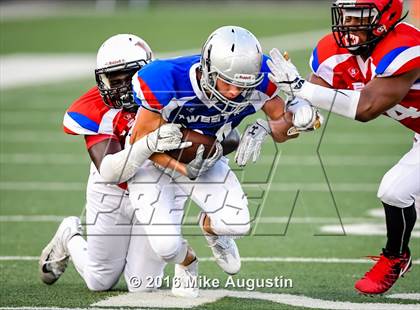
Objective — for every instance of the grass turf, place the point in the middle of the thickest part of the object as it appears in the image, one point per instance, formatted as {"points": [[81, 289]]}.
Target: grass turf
{"points": [[30, 127]]}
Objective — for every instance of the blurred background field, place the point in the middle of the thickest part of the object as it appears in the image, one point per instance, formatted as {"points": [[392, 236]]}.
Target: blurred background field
{"points": [[43, 171]]}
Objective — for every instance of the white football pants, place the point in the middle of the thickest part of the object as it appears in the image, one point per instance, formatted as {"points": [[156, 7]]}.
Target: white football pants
{"points": [[400, 186], [114, 245], [158, 199]]}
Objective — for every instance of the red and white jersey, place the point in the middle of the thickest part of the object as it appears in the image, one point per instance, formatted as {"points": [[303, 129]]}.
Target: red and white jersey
{"points": [[397, 53], [90, 117]]}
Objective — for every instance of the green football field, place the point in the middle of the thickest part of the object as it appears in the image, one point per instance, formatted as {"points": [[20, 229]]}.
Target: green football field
{"points": [[300, 192]]}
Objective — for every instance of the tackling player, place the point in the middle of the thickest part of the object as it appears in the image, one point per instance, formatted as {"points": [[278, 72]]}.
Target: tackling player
{"points": [[210, 93], [370, 66], [104, 116]]}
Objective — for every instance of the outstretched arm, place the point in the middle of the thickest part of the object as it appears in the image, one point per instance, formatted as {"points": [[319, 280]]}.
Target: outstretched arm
{"points": [[117, 165], [254, 135], [378, 96], [280, 121]]}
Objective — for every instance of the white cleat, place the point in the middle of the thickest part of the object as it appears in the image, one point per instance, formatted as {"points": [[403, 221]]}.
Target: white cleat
{"points": [[185, 281], [226, 253], [55, 256], [224, 248]]}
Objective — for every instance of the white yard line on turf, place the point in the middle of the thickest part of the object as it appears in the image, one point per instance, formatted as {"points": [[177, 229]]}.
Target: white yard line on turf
{"points": [[192, 220], [410, 296], [164, 299], [309, 260], [61, 67], [82, 159], [275, 187], [56, 308]]}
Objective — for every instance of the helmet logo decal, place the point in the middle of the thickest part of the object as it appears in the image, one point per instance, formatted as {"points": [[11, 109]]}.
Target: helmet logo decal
{"points": [[381, 29], [141, 45], [244, 77], [114, 62]]}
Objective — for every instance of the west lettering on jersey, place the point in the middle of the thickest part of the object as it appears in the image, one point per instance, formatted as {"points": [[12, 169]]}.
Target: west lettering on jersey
{"points": [[170, 87]]}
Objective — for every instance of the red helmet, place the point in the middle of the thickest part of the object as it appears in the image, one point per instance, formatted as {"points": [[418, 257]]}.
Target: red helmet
{"points": [[377, 17]]}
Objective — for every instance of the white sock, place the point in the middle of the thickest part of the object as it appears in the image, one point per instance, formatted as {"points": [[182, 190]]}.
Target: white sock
{"points": [[77, 247]]}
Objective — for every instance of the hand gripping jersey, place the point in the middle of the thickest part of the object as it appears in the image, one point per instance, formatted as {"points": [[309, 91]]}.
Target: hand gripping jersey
{"points": [[397, 53], [89, 116], [170, 87]]}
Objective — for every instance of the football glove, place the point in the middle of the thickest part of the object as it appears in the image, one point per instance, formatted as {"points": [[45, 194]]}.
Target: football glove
{"points": [[251, 142], [198, 166], [284, 73], [167, 137]]}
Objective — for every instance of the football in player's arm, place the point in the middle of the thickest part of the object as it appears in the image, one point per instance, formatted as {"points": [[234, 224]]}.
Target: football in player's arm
{"points": [[212, 93], [281, 120], [104, 115]]}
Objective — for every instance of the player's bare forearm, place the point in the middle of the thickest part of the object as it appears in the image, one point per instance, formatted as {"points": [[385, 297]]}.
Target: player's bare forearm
{"points": [[147, 122], [378, 96], [98, 151], [381, 94], [280, 127], [318, 81], [280, 121], [164, 160]]}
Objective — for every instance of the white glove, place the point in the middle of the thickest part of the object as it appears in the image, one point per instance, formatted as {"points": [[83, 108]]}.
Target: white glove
{"points": [[199, 165], [305, 117], [167, 137], [251, 142], [284, 73]]}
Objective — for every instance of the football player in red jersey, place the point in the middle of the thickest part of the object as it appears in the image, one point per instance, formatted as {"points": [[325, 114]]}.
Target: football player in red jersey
{"points": [[104, 116], [370, 66]]}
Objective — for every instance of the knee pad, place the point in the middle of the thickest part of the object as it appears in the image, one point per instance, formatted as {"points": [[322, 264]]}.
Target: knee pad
{"points": [[236, 230], [97, 283], [102, 277], [242, 230], [394, 194], [172, 249]]}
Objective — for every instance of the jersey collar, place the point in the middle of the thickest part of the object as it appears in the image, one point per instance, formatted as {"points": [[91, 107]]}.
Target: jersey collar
{"points": [[196, 88]]}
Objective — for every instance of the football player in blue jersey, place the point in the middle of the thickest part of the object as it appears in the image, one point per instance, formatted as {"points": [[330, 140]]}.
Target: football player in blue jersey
{"points": [[210, 93]]}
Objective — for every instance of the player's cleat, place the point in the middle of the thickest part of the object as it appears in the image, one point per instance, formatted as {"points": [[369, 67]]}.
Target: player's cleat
{"points": [[383, 274], [185, 281], [225, 252], [54, 257]]}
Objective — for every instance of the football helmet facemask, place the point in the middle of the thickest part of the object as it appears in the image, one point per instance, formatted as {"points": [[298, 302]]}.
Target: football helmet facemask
{"points": [[118, 59], [376, 18], [234, 55]]}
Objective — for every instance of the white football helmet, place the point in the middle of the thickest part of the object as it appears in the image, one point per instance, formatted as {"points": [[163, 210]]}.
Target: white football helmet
{"points": [[234, 55], [118, 59]]}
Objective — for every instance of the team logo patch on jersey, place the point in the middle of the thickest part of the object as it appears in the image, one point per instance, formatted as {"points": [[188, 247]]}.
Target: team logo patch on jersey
{"points": [[353, 72]]}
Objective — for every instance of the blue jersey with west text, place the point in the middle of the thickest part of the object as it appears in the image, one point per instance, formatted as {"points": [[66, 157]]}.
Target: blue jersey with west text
{"points": [[171, 87]]}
